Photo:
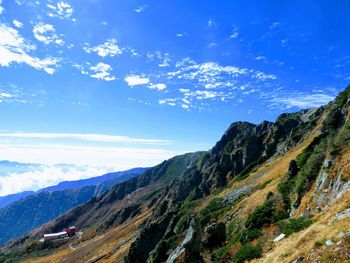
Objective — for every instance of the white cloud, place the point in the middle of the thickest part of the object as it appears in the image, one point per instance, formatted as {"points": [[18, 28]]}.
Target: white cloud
{"points": [[180, 34], [46, 33], [235, 33], [17, 23], [37, 178], [14, 48], [301, 100], [6, 95], [263, 76], [163, 59], [208, 74], [202, 94], [118, 158], [135, 80], [109, 48], [263, 58], [61, 10], [211, 23], [220, 82], [82, 136], [212, 44], [102, 71], [170, 102], [140, 9], [284, 42], [158, 86], [275, 25]]}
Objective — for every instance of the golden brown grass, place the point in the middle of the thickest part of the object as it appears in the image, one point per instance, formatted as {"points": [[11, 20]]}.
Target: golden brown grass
{"points": [[301, 243], [103, 248]]}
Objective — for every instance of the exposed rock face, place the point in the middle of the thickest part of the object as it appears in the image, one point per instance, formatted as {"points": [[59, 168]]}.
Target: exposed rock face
{"points": [[150, 235], [343, 214], [243, 146], [237, 194], [189, 250]]}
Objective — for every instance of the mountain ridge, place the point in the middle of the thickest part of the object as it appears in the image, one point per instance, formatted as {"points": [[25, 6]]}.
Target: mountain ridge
{"points": [[259, 181]]}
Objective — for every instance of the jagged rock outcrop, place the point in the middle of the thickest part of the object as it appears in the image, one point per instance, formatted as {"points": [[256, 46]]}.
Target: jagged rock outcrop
{"points": [[243, 147]]}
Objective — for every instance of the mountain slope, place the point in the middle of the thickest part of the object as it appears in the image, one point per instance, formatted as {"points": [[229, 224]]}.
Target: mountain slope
{"points": [[288, 179], [8, 199], [123, 200], [45, 205]]}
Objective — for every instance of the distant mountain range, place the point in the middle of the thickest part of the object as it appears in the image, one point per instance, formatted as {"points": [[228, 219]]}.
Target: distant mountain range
{"points": [[32, 209], [8, 167]]}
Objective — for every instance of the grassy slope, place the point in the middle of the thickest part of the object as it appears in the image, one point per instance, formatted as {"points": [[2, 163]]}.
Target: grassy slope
{"points": [[98, 246]]}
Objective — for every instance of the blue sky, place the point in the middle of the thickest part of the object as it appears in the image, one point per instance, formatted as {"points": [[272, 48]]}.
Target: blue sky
{"points": [[130, 83]]}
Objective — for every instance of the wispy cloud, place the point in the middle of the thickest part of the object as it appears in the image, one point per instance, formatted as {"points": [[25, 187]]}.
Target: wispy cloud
{"points": [[301, 100], [275, 25], [180, 34], [17, 23], [209, 74], [263, 76], [211, 23], [15, 49], [118, 158], [84, 137], [207, 81], [261, 58], [102, 71], [140, 9], [60, 10], [46, 33], [109, 48], [169, 101], [235, 33], [162, 58]]}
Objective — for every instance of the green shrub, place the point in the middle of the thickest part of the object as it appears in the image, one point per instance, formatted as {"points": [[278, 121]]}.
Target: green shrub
{"points": [[222, 251], [280, 214], [233, 227], [310, 169], [265, 183], [294, 225], [261, 215], [213, 210], [285, 188], [247, 252], [249, 235], [342, 98]]}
